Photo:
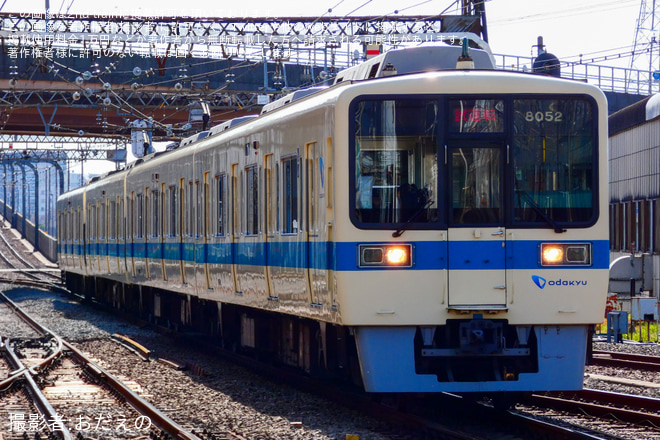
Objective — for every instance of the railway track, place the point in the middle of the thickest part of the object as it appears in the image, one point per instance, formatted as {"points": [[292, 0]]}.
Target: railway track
{"points": [[626, 360], [69, 395], [625, 407], [484, 422], [633, 410], [452, 417], [23, 268]]}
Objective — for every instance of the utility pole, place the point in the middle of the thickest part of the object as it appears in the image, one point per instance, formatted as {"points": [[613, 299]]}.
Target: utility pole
{"points": [[645, 54]]}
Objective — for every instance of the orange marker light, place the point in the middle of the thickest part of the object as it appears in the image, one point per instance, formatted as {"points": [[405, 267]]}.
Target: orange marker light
{"points": [[396, 256], [553, 255]]}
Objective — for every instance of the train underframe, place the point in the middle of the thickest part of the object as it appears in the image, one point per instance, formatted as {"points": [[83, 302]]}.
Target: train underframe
{"points": [[317, 348], [465, 355]]}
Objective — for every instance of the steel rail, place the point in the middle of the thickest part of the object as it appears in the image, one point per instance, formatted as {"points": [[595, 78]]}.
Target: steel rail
{"points": [[30, 267], [38, 398], [556, 432], [589, 401], [40, 329], [626, 360], [142, 406]]}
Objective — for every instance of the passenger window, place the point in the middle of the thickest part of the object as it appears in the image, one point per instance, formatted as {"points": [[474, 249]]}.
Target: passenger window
{"points": [[139, 227], [252, 200], [189, 224], [219, 203], [155, 214], [121, 228], [172, 211], [103, 222], [112, 216], [290, 176], [131, 216]]}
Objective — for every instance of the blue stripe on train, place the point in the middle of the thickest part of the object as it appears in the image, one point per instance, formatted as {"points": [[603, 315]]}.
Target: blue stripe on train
{"points": [[343, 256]]}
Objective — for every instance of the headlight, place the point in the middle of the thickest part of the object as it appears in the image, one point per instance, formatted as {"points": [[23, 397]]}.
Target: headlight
{"points": [[385, 255], [566, 254]]}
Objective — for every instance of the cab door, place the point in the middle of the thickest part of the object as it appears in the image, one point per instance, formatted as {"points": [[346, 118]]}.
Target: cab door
{"points": [[476, 235]]}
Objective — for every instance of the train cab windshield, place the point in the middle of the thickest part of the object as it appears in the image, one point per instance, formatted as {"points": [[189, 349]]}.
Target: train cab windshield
{"points": [[460, 161], [396, 166]]}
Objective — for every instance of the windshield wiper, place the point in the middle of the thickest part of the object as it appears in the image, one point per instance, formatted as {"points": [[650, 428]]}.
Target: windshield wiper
{"points": [[403, 227], [528, 198]]}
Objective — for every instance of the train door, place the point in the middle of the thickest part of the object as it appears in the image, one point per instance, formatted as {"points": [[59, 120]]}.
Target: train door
{"points": [[476, 236], [235, 227], [130, 234], [121, 222], [270, 217], [180, 233], [80, 235], [205, 228], [315, 233], [162, 230]]}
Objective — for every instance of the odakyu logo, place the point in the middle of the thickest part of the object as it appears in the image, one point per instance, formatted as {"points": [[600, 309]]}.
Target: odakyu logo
{"points": [[539, 281], [542, 282]]}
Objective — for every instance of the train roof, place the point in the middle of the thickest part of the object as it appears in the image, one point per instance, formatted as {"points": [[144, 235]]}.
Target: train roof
{"points": [[635, 114], [229, 124], [415, 60], [291, 97], [194, 138]]}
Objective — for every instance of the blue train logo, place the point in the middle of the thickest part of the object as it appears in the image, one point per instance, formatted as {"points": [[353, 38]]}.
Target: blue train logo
{"points": [[539, 281]]}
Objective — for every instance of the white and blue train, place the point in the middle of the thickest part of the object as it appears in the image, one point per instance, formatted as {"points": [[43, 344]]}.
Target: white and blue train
{"points": [[414, 227]]}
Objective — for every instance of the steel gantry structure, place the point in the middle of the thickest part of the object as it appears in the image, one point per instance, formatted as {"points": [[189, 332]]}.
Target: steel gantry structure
{"points": [[65, 74], [84, 84]]}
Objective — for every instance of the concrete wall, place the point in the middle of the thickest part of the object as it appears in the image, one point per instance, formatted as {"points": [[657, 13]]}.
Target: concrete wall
{"points": [[45, 244]]}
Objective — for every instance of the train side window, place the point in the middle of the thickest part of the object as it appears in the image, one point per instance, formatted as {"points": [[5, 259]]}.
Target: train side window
{"points": [[131, 216], [112, 217], [121, 223], [206, 205], [145, 215], [92, 222], [139, 221], [234, 198], [252, 200], [199, 212], [172, 211], [155, 213], [189, 223], [219, 203], [290, 196], [79, 224], [103, 221]]}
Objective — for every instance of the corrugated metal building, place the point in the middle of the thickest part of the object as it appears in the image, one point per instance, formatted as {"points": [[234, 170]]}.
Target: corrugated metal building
{"points": [[634, 167]]}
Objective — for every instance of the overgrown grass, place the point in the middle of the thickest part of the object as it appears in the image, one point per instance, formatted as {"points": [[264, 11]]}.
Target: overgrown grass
{"points": [[649, 331]]}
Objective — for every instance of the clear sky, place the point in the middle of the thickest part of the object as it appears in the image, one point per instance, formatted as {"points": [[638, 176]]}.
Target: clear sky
{"points": [[569, 27]]}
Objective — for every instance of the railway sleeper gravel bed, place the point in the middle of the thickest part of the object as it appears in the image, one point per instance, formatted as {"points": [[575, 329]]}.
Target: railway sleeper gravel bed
{"points": [[67, 393], [215, 399], [226, 402]]}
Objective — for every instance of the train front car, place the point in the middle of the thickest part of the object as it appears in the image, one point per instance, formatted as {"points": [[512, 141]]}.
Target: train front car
{"points": [[475, 254]]}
